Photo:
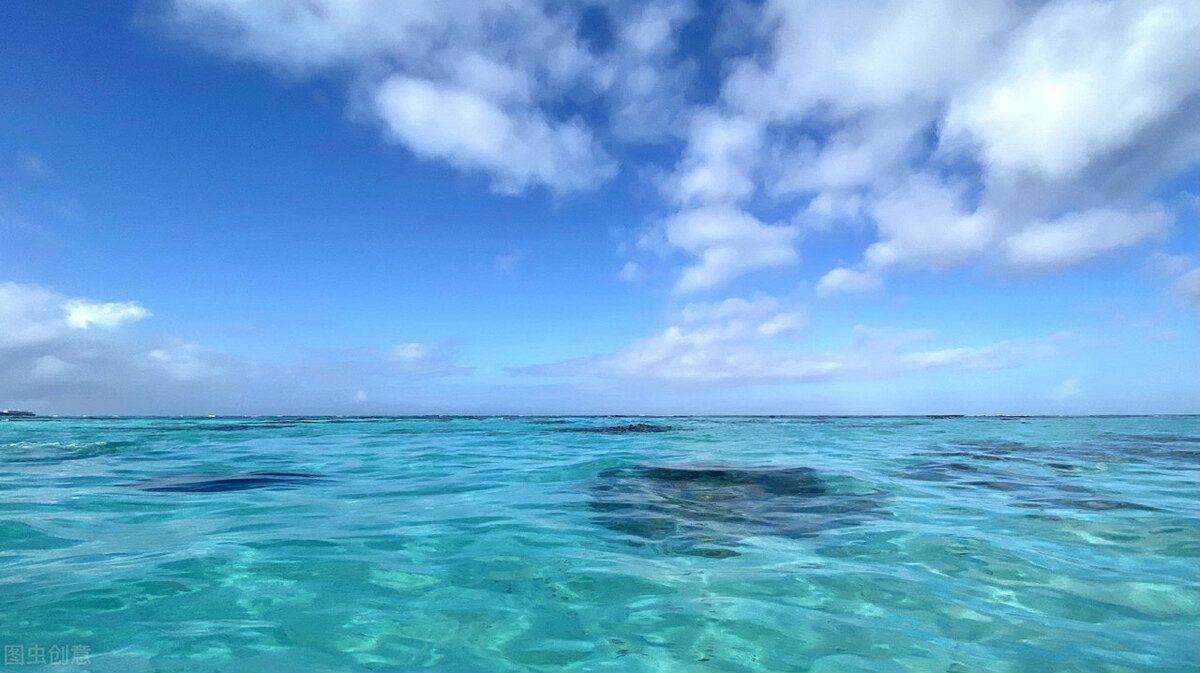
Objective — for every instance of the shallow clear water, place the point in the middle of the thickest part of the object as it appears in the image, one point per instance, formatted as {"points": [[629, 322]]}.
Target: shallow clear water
{"points": [[496, 544]]}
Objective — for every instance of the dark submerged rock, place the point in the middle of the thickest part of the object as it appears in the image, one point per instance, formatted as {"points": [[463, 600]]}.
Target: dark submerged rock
{"points": [[705, 510], [220, 482], [1108, 505], [622, 429]]}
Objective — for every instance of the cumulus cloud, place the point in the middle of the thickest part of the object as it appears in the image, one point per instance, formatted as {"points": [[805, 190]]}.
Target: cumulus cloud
{"points": [[53, 345], [1016, 135], [110, 315], [1080, 80], [924, 223], [469, 131], [736, 342], [72, 355], [1078, 237], [31, 314], [848, 281], [489, 86], [1010, 134], [631, 272], [728, 243], [645, 81], [716, 166], [855, 57]]}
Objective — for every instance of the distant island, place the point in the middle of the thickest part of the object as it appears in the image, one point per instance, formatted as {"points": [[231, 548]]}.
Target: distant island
{"points": [[16, 413]]}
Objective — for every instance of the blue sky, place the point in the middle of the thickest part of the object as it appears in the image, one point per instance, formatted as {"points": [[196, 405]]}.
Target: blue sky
{"points": [[514, 206]]}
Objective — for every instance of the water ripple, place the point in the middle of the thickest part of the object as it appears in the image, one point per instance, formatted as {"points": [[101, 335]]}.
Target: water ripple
{"points": [[515, 544]]}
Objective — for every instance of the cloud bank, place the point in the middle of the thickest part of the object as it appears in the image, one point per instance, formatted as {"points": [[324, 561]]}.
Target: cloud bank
{"points": [[750, 342], [78, 356]]}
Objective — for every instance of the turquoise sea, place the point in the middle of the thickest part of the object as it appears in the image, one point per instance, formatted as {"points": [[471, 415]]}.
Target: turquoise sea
{"points": [[590, 544]]}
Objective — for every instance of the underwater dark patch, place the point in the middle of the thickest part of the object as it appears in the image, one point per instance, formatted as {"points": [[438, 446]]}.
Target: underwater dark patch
{"points": [[231, 427], [220, 482], [621, 429], [1027, 490], [1155, 439], [706, 510], [936, 471], [996, 447], [1107, 505], [1063, 467]]}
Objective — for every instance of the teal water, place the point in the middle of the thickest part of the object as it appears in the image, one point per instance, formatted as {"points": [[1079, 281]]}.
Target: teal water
{"points": [[684, 544]]}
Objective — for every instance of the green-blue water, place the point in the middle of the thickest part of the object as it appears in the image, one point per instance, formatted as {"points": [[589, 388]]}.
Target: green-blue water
{"points": [[514, 544]]}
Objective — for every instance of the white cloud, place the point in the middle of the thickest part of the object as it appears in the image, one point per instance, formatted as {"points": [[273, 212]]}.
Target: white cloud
{"points": [[848, 281], [734, 308], [182, 362], [839, 59], [713, 343], [30, 314], [651, 30], [507, 262], [734, 342], [705, 357], [864, 154], [1186, 288], [361, 34], [1079, 237], [1164, 264], [469, 131], [728, 243], [995, 356], [82, 314], [645, 85], [631, 273], [828, 208], [70, 355], [781, 325], [485, 86], [925, 223], [716, 168], [1045, 115], [960, 131], [1082, 79]]}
